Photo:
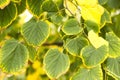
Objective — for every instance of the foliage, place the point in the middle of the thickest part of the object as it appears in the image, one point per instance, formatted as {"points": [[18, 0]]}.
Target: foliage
{"points": [[65, 39]]}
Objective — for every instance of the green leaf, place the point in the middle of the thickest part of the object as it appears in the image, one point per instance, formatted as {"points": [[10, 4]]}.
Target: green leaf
{"points": [[57, 19], [13, 56], [88, 74], [32, 53], [34, 6], [95, 40], [35, 32], [16, 1], [7, 15], [116, 25], [102, 2], [114, 4], [92, 26], [105, 18], [112, 67], [4, 3], [92, 57], [56, 63], [71, 27], [75, 45], [114, 44], [21, 6], [49, 6]]}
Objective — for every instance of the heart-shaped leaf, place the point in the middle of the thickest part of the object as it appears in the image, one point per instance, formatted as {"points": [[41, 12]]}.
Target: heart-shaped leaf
{"points": [[35, 32], [56, 63], [13, 56], [71, 27], [92, 56], [75, 45]]}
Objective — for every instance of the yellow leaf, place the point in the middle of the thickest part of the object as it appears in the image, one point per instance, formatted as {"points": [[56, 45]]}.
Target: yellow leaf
{"points": [[92, 13], [87, 3], [95, 40]]}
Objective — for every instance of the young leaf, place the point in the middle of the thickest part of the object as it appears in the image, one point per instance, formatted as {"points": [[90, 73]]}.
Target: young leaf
{"points": [[91, 10], [4, 3], [56, 63], [92, 57], [114, 44], [89, 74], [75, 45], [13, 56], [112, 67], [7, 15], [34, 6], [95, 40], [71, 27], [35, 32]]}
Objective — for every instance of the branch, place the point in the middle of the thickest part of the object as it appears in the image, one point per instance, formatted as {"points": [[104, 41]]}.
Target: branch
{"points": [[55, 43]]}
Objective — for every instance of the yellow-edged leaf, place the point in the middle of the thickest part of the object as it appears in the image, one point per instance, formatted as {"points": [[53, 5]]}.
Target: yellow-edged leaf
{"points": [[70, 7]]}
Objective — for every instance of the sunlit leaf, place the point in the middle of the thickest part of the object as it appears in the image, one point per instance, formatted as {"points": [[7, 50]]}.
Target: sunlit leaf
{"points": [[75, 45], [88, 3], [95, 40], [4, 3], [114, 44], [13, 56], [92, 13], [35, 32], [71, 27], [91, 10], [7, 15], [71, 8], [92, 56], [88, 74], [56, 63]]}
